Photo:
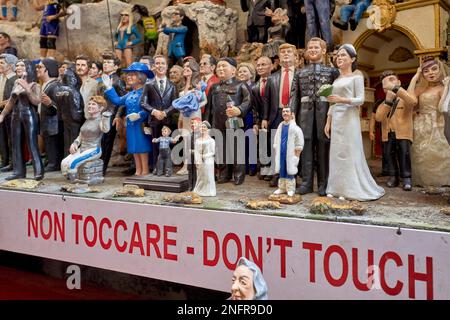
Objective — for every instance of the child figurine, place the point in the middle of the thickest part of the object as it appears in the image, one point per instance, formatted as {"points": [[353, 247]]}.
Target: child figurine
{"points": [[164, 163], [87, 146], [205, 147], [288, 144], [277, 33]]}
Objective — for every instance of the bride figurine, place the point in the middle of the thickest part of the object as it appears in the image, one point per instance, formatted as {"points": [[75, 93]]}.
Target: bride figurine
{"points": [[205, 147], [349, 174]]}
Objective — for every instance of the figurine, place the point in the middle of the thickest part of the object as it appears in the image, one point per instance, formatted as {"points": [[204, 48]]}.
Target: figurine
{"points": [[88, 86], [49, 26], [150, 29], [70, 106], [176, 76], [318, 13], [5, 44], [191, 167], [25, 97], [297, 19], [280, 91], [277, 33], [164, 163], [157, 100], [190, 102], [176, 44], [256, 19], [13, 7], [384, 137], [349, 177], [288, 144], [312, 115], [205, 148], [110, 66], [228, 103], [207, 71], [86, 147], [126, 37], [352, 13], [248, 282], [51, 124], [7, 80], [430, 153], [397, 111], [95, 70], [138, 143]]}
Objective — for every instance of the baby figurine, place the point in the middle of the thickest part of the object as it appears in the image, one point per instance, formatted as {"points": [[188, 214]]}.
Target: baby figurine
{"points": [[86, 146], [164, 163]]}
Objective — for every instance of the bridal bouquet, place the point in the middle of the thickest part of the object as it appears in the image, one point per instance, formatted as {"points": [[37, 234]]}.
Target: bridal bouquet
{"points": [[325, 90]]}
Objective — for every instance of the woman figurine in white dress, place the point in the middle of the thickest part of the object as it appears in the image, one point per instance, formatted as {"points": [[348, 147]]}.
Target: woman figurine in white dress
{"points": [[205, 148], [349, 176], [190, 102]]}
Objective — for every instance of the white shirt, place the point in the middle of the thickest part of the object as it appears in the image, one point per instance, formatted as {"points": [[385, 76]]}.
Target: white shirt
{"points": [[291, 78]]}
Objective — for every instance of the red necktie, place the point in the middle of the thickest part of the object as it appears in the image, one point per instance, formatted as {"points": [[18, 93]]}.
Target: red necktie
{"points": [[285, 91], [263, 87]]}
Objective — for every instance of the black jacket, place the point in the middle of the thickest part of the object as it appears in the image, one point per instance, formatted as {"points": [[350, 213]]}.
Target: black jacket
{"points": [[69, 101], [49, 115], [9, 84], [258, 101], [151, 99], [217, 100]]}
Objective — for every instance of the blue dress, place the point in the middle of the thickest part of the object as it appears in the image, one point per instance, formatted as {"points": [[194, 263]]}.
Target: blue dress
{"points": [[137, 141]]}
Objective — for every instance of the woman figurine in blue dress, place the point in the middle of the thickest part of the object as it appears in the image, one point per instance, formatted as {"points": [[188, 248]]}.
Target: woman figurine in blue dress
{"points": [[138, 143], [124, 43]]}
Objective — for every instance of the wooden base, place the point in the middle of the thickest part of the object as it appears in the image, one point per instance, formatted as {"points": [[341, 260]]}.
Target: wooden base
{"points": [[174, 183]]}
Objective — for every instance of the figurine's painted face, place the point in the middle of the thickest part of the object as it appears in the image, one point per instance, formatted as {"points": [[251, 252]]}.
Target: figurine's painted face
{"points": [[286, 114], [206, 68], [242, 284], [343, 59], [40, 70], [125, 18], [244, 74], [175, 74], [390, 81], [94, 71], [4, 67], [109, 66], [93, 108], [3, 40], [20, 69], [432, 73], [264, 66], [62, 69], [203, 128], [187, 71], [315, 52], [165, 132], [147, 63], [82, 67], [160, 67], [133, 79], [287, 56], [176, 18], [195, 124], [225, 71]]}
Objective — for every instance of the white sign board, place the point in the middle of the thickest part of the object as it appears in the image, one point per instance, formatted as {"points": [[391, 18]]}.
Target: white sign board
{"points": [[300, 259]]}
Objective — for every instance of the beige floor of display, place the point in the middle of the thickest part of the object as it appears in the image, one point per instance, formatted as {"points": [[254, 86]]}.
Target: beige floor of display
{"points": [[418, 209]]}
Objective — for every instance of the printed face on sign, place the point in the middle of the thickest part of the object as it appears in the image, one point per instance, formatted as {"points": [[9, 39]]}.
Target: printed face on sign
{"points": [[242, 287]]}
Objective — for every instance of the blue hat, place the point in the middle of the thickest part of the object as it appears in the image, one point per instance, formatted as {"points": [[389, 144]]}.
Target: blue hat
{"points": [[140, 67]]}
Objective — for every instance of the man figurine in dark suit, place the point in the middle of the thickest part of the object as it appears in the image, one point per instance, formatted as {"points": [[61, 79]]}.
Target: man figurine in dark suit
{"points": [[157, 99], [228, 104], [256, 19], [279, 91], [7, 79], [263, 69], [51, 124], [110, 66], [312, 115]]}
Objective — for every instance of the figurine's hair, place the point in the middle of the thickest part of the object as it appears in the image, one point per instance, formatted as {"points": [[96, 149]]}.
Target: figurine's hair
{"points": [[207, 124], [97, 63], [179, 11], [5, 35], [150, 59], [388, 73], [212, 60], [82, 57], [250, 68], [323, 44], [166, 127], [193, 65], [111, 56], [130, 20], [100, 101], [10, 59], [428, 61], [287, 46], [159, 56]]}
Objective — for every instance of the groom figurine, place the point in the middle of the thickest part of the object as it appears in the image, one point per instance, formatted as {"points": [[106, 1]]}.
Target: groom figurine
{"points": [[312, 115]]}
